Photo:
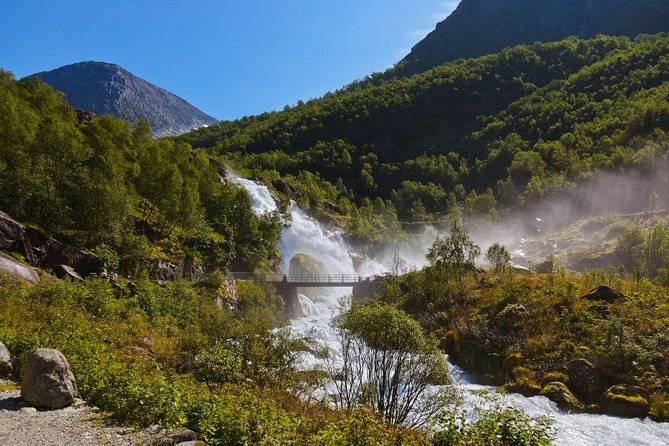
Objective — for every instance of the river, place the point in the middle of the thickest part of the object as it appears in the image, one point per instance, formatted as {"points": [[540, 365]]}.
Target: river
{"points": [[306, 235]]}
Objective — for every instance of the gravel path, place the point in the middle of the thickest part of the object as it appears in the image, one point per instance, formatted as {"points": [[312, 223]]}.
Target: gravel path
{"points": [[78, 425]]}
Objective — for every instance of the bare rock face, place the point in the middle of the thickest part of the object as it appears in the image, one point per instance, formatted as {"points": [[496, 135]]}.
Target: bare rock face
{"points": [[104, 88], [17, 270], [48, 380], [6, 368]]}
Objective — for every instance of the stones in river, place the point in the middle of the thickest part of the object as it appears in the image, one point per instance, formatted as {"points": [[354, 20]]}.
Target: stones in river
{"points": [[47, 380]]}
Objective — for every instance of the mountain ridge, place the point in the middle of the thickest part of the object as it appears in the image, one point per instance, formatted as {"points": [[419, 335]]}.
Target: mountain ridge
{"points": [[479, 27], [107, 88]]}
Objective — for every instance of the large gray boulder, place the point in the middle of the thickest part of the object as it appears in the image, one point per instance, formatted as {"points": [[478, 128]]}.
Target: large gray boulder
{"points": [[6, 368], [17, 270], [304, 265], [48, 380]]}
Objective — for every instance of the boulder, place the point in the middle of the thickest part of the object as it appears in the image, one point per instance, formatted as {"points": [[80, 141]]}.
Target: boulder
{"points": [[66, 271], [172, 437], [626, 401], [192, 443], [48, 380], [560, 393], [17, 270], [303, 265], [6, 368], [587, 380], [604, 293]]}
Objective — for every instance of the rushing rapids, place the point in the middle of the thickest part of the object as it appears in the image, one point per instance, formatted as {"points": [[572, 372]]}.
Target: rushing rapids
{"points": [[306, 235]]}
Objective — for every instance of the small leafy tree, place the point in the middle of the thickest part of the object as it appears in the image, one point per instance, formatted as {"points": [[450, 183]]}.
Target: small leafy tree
{"points": [[498, 257], [452, 263], [388, 365], [398, 265]]}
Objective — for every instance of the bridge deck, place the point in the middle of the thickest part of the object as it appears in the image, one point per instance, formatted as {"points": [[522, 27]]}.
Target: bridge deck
{"points": [[330, 281]]}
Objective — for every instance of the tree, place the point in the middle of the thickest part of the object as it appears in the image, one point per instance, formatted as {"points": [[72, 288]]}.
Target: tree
{"points": [[454, 256], [397, 265], [498, 257], [388, 365]]}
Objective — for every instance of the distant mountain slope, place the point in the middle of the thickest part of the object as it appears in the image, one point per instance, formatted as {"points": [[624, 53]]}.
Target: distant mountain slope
{"points": [[479, 27], [106, 88]]}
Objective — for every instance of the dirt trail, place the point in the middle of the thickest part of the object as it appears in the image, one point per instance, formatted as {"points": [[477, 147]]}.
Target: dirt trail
{"points": [[78, 425]]}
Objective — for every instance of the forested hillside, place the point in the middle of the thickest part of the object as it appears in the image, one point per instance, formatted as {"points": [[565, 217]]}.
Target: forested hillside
{"points": [[105, 185], [480, 134], [479, 27]]}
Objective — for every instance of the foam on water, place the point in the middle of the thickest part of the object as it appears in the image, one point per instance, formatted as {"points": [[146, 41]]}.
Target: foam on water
{"points": [[306, 235]]}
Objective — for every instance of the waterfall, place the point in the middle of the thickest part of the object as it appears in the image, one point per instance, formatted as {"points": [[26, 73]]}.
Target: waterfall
{"points": [[306, 235]]}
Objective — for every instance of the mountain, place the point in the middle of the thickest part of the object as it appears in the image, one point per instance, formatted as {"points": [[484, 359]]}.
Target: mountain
{"points": [[106, 88], [479, 27]]}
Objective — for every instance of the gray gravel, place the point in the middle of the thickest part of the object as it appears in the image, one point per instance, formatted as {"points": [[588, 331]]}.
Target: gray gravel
{"points": [[78, 425]]}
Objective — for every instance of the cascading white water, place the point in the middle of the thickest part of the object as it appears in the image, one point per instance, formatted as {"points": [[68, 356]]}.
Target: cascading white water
{"points": [[306, 235]]}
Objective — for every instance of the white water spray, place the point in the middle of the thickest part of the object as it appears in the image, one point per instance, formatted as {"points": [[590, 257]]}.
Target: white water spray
{"points": [[306, 235]]}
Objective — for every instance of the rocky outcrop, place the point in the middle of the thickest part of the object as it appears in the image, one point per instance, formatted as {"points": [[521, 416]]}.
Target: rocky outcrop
{"points": [[163, 271], [604, 293], [6, 368], [560, 393], [48, 380], [108, 89], [626, 401], [40, 250]]}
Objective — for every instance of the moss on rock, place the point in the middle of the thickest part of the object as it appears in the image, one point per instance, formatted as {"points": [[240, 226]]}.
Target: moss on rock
{"points": [[560, 393]]}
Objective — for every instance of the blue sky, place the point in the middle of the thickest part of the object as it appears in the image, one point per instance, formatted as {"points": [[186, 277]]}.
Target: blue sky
{"points": [[229, 58]]}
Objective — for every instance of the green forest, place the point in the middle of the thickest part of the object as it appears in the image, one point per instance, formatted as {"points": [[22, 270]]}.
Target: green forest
{"points": [[481, 134], [105, 185]]}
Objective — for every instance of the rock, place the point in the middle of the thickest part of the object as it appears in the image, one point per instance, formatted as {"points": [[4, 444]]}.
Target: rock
{"points": [[48, 380], [65, 271], [604, 293], [189, 268], [6, 368], [192, 443], [527, 388], [17, 270], [560, 393], [28, 410], [163, 271], [40, 250], [172, 437], [303, 265], [587, 381], [626, 401]]}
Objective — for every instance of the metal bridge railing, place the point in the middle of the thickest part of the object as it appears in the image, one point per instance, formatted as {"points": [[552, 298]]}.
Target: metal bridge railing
{"points": [[329, 279]]}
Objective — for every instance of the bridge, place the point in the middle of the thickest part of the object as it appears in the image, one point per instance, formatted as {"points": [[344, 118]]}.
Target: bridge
{"points": [[287, 286]]}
